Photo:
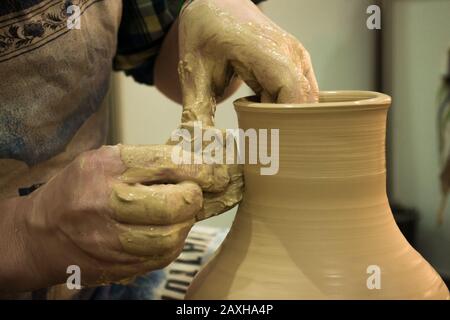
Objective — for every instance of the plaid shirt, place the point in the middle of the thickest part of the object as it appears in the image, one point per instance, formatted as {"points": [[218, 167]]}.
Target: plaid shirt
{"points": [[142, 30]]}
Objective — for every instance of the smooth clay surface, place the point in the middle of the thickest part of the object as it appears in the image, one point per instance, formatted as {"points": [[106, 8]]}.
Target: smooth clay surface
{"points": [[314, 230]]}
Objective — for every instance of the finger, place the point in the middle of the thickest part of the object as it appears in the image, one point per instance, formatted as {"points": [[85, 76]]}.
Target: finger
{"points": [[246, 74], [284, 83], [203, 82], [209, 143], [284, 76], [199, 102], [267, 97], [198, 99], [275, 79], [298, 84], [309, 74], [156, 204], [153, 164], [154, 241], [302, 88], [297, 92], [222, 75], [125, 273], [217, 203]]}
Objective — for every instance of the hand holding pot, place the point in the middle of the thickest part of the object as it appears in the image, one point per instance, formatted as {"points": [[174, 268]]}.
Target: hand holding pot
{"points": [[218, 38]]}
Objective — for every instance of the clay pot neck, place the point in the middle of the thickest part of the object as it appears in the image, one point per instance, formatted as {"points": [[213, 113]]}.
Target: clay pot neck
{"points": [[331, 153]]}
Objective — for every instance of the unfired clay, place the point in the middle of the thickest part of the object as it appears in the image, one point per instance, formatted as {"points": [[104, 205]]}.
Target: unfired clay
{"points": [[320, 227]]}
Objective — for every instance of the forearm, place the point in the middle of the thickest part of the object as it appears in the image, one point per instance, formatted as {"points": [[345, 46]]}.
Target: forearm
{"points": [[18, 272]]}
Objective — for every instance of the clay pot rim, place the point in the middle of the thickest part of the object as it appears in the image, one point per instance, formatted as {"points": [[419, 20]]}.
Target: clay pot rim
{"points": [[346, 100]]}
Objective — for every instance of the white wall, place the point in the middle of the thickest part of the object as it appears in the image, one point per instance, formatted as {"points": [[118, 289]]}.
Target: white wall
{"points": [[334, 32], [416, 60]]}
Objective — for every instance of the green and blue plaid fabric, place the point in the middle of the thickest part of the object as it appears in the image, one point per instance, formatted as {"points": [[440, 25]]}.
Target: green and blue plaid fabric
{"points": [[143, 27]]}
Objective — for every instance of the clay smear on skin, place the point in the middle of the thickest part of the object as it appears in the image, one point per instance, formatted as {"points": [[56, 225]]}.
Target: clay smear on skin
{"points": [[142, 196], [195, 70]]}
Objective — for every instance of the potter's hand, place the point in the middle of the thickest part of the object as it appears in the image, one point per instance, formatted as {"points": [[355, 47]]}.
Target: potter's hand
{"points": [[220, 37], [221, 184], [109, 213], [214, 202]]}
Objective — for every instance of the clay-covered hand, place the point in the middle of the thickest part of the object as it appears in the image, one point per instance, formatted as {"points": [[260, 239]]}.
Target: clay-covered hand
{"points": [[214, 202], [218, 38], [115, 212]]}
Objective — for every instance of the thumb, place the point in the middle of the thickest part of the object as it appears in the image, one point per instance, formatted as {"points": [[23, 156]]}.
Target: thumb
{"points": [[199, 103]]}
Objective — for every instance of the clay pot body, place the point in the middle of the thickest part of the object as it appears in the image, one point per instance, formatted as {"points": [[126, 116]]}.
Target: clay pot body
{"points": [[321, 228]]}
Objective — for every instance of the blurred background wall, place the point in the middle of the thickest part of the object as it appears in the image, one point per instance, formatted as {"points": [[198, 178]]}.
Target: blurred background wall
{"points": [[416, 42]]}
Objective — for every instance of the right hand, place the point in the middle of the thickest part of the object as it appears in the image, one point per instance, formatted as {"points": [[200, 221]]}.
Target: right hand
{"points": [[219, 39], [117, 212]]}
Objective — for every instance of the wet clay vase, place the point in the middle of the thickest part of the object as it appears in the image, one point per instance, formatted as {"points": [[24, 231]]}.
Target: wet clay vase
{"points": [[321, 228]]}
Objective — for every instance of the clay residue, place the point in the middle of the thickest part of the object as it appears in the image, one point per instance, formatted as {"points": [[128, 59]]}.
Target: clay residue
{"points": [[152, 189], [154, 240], [156, 204], [215, 203], [271, 61], [153, 164]]}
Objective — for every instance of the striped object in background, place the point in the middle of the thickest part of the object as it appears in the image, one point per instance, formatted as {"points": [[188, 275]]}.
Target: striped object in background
{"points": [[444, 142]]}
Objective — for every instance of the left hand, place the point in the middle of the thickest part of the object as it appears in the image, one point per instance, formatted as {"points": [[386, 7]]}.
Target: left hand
{"points": [[218, 38], [217, 201]]}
